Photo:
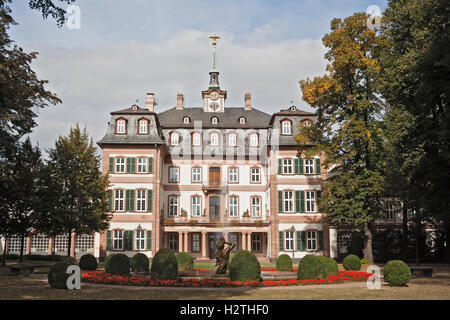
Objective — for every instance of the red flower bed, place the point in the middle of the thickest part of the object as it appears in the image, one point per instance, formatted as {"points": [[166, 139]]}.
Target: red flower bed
{"points": [[100, 277]]}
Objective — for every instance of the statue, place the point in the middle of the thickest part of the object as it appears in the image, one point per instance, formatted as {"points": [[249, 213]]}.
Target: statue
{"points": [[223, 256]]}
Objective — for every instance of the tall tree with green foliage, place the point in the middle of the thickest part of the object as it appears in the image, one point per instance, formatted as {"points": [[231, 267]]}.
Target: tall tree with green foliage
{"points": [[21, 170], [79, 186], [347, 127], [416, 79]]}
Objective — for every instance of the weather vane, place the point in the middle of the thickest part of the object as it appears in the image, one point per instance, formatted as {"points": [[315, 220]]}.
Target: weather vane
{"points": [[214, 38], [137, 100], [292, 102]]}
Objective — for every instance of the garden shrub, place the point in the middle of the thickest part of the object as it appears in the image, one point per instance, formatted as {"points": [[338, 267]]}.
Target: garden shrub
{"points": [[41, 257], [108, 259], [139, 263], [10, 256], [244, 266], [164, 265], [352, 263], [397, 273], [185, 261], [366, 261], [284, 263], [119, 264], [316, 267], [57, 276], [88, 262]]}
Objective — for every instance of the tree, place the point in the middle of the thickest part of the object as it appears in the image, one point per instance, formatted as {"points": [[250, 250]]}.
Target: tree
{"points": [[347, 127], [80, 199], [20, 172], [416, 79]]}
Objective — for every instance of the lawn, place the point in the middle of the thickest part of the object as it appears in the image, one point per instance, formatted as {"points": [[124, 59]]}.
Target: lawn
{"points": [[18, 287]]}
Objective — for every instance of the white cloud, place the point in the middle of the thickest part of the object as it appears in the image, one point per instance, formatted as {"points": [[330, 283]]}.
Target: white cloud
{"points": [[94, 82]]}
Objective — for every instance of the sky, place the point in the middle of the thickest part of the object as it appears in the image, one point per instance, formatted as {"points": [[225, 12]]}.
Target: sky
{"points": [[127, 48]]}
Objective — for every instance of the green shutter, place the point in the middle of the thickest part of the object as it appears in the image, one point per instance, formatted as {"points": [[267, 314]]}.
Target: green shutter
{"points": [[127, 200], [110, 194], [302, 201], [150, 165], [281, 239], [318, 166], [131, 205], [297, 165], [150, 200], [149, 240], [111, 164], [320, 240], [133, 165], [301, 166], [299, 241], [128, 165], [318, 198], [297, 201], [280, 201], [303, 242], [108, 240], [280, 167]]}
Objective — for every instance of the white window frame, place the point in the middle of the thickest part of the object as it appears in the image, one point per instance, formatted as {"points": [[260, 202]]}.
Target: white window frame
{"points": [[196, 176], [233, 206], [255, 175], [120, 165], [289, 240], [143, 126], [309, 166], [173, 241], [174, 138], [256, 242], [310, 197], [173, 206], [140, 239], [389, 211], [119, 200], [196, 206], [142, 165], [174, 172], [233, 174], [232, 139], [214, 139], [196, 139], [286, 127], [118, 239], [311, 240], [256, 206], [288, 201], [121, 126], [214, 120], [254, 141], [288, 166], [141, 200]]}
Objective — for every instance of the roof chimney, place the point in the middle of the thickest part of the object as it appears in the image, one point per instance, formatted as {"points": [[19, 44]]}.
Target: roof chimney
{"points": [[248, 101], [180, 101], [150, 102]]}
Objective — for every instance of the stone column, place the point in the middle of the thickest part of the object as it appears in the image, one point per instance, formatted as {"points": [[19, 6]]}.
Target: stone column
{"points": [[333, 242], [204, 241], [28, 246], [249, 241], [180, 241], [243, 240], [186, 243], [72, 245], [50, 245]]}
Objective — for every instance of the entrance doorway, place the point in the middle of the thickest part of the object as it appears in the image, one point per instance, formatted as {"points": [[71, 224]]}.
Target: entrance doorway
{"points": [[214, 237], [214, 208]]}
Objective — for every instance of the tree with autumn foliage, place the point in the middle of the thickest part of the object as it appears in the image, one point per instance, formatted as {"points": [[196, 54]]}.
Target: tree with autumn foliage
{"points": [[347, 127]]}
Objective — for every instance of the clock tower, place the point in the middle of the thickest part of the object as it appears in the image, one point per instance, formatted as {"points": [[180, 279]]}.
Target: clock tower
{"points": [[214, 98]]}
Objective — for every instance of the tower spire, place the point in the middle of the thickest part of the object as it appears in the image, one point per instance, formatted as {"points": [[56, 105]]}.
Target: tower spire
{"points": [[214, 72]]}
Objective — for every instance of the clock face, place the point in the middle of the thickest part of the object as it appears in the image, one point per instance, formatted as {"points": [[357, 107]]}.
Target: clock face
{"points": [[214, 95], [214, 106]]}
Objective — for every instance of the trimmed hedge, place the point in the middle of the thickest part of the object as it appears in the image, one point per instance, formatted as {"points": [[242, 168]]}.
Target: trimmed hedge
{"points": [[244, 266], [108, 260], [88, 262], [119, 264], [164, 265], [57, 276], [316, 267], [185, 261], [10, 256], [284, 263], [397, 273], [352, 263], [139, 263]]}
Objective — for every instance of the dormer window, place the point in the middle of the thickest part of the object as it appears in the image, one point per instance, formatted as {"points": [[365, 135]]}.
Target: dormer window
{"points": [[186, 120], [254, 139], [174, 139], [143, 126], [214, 120], [232, 140], [121, 126], [293, 108], [214, 139], [196, 139], [241, 120], [306, 122], [286, 127]]}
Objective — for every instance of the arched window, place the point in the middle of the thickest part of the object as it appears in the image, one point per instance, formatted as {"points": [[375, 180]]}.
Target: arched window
{"points": [[186, 120], [196, 139], [241, 120], [254, 139], [214, 139], [121, 126], [143, 126], [174, 138], [286, 127], [232, 139], [214, 120]]}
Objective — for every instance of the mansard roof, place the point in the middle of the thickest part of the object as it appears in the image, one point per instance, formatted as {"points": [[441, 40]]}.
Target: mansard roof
{"points": [[291, 112], [255, 119]]}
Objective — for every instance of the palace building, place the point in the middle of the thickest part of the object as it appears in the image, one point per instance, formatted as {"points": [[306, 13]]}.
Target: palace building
{"points": [[182, 178]]}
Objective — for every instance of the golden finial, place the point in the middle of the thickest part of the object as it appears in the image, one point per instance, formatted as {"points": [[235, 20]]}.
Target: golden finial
{"points": [[214, 38]]}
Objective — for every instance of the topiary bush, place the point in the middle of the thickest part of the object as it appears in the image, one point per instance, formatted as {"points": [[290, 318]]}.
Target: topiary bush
{"points": [[397, 273], [119, 264], [352, 263], [108, 259], [185, 261], [316, 267], [88, 262], [284, 263], [164, 265], [139, 263], [244, 266], [57, 276]]}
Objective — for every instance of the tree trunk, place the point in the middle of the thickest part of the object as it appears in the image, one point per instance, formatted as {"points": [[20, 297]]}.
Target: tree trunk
{"points": [[367, 251], [405, 232], [447, 243], [69, 243], [21, 248]]}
